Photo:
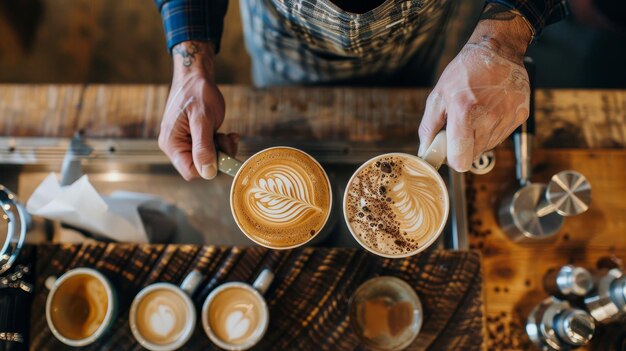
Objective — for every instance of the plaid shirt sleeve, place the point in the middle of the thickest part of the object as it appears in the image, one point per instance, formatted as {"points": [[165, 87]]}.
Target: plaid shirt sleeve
{"points": [[184, 20], [538, 13]]}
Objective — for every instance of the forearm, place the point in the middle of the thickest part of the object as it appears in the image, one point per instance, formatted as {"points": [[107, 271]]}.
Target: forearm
{"points": [[504, 31]]}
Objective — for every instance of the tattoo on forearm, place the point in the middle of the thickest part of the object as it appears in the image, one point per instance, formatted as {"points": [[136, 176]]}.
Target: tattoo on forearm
{"points": [[187, 53], [497, 12]]}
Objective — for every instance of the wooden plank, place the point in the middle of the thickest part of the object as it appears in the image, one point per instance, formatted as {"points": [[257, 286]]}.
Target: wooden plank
{"points": [[308, 300], [513, 272], [565, 118], [39, 110]]}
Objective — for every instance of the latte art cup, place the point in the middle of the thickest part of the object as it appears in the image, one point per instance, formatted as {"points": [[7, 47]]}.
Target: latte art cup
{"points": [[257, 289], [55, 285], [272, 207], [183, 293], [431, 161]]}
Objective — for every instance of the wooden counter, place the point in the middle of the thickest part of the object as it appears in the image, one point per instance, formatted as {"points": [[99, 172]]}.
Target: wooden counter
{"points": [[308, 299], [587, 120]]}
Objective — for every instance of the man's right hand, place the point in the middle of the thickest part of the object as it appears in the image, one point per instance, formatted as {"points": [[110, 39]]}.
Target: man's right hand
{"points": [[194, 112]]}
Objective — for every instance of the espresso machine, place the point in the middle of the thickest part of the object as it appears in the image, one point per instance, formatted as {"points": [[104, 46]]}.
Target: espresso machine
{"points": [[536, 211]]}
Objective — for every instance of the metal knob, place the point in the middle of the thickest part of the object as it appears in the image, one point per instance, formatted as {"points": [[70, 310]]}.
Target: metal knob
{"points": [[569, 193], [568, 281], [575, 327]]}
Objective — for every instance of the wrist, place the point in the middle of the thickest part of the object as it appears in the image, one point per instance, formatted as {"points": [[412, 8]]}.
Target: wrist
{"points": [[504, 31], [195, 57]]}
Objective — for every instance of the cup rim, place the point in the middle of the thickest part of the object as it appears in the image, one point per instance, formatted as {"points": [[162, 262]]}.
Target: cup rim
{"points": [[207, 327], [190, 324], [108, 317], [444, 220], [330, 199]]}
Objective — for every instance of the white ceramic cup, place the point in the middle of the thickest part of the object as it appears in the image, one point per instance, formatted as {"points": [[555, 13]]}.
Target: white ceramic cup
{"points": [[258, 288], [232, 166], [433, 158], [53, 285], [186, 289]]}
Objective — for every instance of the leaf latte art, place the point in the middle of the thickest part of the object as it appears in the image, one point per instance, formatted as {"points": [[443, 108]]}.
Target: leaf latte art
{"points": [[282, 196]]}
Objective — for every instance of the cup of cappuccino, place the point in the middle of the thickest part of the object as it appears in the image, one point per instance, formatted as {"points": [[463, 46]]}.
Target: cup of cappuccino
{"points": [[80, 307], [281, 197], [397, 204], [235, 315], [162, 316]]}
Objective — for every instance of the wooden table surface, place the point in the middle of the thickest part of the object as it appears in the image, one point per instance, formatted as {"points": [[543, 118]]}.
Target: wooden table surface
{"points": [[588, 120], [308, 299]]}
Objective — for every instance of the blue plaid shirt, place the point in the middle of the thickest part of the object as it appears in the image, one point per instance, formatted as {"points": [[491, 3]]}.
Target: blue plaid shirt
{"points": [[204, 19]]}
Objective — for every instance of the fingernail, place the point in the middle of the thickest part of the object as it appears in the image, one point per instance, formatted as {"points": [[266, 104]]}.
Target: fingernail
{"points": [[461, 150], [421, 150], [208, 171]]}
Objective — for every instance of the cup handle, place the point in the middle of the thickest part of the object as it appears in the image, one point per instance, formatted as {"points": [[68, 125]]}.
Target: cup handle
{"points": [[49, 282], [191, 282], [435, 154], [227, 164], [263, 281]]}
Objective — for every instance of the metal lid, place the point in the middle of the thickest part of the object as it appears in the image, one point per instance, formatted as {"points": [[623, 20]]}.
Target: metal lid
{"points": [[575, 327], [13, 223], [569, 192]]}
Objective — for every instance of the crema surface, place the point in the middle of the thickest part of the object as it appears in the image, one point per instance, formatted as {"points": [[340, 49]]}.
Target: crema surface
{"points": [[79, 306], [395, 204], [161, 317], [281, 197]]}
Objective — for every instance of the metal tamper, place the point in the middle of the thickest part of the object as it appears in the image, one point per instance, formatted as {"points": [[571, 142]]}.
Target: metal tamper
{"points": [[607, 303], [536, 211], [568, 281], [555, 325]]}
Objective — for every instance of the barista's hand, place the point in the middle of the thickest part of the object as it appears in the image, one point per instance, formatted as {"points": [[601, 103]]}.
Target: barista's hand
{"points": [[194, 112], [483, 94]]}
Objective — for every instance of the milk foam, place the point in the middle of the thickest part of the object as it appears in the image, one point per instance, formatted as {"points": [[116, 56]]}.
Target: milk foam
{"points": [[235, 315], [281, 196], [394, 205], [161, 316]]}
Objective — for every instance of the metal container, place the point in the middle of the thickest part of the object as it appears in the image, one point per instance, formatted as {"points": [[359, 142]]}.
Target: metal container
{"points": [[555, 325], [13, 225], [568, 281], [607, 302]]}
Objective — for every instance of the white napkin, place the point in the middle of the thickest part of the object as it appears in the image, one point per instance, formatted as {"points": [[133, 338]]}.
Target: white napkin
{"points": [[79, 204]]}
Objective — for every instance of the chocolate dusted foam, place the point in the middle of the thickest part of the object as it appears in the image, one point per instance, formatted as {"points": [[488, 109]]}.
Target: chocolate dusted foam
{"points": [[281, 197], [394, 204]]}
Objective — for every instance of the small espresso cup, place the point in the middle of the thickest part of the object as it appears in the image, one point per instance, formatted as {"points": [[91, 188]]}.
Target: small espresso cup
{"points": [[386, 314], [162, 316], [281, 197], [235, 315], [80, 307], [381, 207]]}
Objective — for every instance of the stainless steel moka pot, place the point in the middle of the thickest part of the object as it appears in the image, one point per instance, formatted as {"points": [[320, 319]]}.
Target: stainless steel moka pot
{"points": [[555, 325], [536, 211], [607, 302], [14, 221]]}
